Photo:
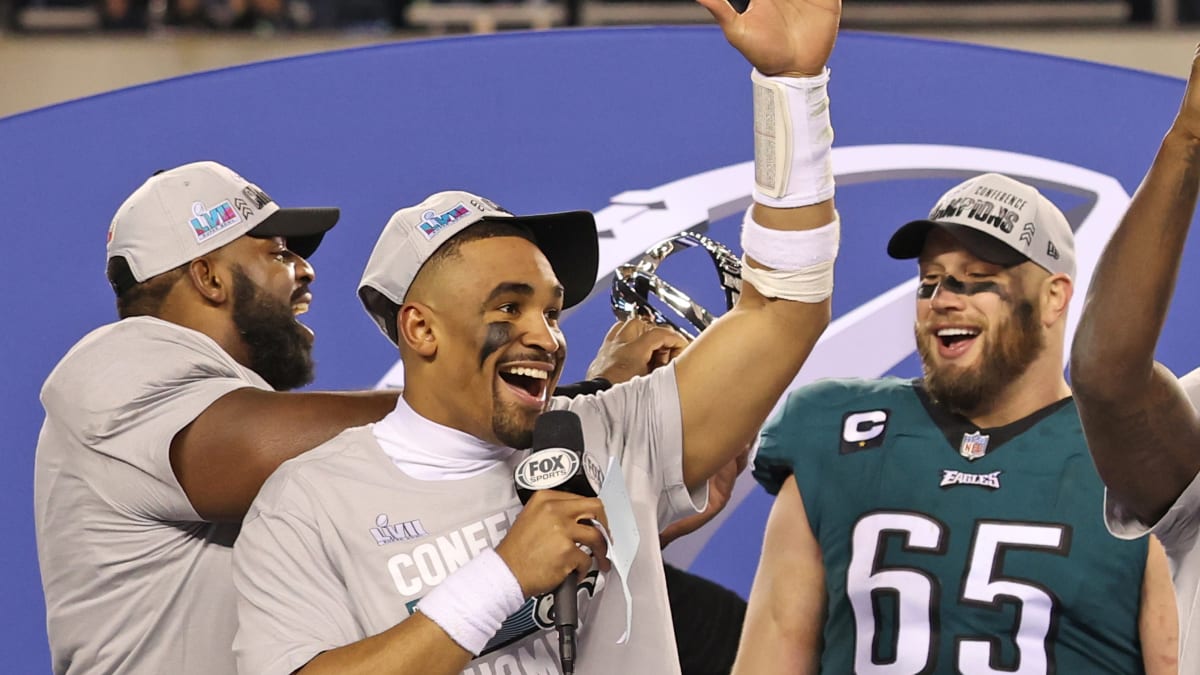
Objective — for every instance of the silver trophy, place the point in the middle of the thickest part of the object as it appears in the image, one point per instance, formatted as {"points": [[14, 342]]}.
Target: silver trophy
{"points": [[635, 283]]}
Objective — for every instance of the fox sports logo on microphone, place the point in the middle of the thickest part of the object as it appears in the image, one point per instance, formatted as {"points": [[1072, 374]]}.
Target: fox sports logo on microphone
{"points": [[546, 469]]}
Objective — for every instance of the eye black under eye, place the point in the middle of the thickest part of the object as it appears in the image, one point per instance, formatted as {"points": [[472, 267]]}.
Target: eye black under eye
{"points": [[926, 290]]}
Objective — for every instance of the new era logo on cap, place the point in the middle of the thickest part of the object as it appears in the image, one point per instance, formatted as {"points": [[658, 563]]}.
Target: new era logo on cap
{"points": [[999, 219]]}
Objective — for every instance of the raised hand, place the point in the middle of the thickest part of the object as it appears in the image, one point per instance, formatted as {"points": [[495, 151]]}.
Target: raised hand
{"points": [[635, 347], [542, 548], [781, 37]]}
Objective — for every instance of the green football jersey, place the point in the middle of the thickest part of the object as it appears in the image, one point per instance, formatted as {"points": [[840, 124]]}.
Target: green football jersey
{"points": [[954, 549]]}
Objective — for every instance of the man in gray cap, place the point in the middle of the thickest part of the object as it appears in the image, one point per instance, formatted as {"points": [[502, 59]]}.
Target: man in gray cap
{"points": [[919, 523], [402, 547], [161, 427]]}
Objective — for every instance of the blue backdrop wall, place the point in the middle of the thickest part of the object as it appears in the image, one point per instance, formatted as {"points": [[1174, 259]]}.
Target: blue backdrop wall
{"points": [[648, 127]]}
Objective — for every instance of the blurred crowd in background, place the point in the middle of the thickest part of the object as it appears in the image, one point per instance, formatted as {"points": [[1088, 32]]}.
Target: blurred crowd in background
{"points": [[269, 16]]}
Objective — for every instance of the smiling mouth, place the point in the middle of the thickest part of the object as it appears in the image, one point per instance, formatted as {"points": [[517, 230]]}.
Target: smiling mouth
{"points": [[532, 382], [952, 336]]}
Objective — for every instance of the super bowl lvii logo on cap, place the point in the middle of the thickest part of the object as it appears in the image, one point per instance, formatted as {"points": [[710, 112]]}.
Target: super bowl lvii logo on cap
{"points": [[207, 222], [432, 222]]}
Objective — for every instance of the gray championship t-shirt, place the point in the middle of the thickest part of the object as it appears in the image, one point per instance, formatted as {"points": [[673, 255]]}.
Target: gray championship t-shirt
{"points": [[341, 545], [135, 581], [1177, 530]]}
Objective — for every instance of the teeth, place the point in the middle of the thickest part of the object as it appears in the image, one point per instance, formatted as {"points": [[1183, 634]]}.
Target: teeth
{"points": [[299, 308], [529, 372], [949, 332]]}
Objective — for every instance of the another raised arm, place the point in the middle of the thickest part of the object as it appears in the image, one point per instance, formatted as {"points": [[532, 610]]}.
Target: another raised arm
{"points": [[1142, 430], [732, 376]]}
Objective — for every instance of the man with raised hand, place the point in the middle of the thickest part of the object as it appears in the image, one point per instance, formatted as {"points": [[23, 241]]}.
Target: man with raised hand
{"points": [[161, 427], [948, 523], [1142, 429], [471, 295]]}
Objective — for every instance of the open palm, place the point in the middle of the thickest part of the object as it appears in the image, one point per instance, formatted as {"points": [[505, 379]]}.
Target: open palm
{"points": [[781, 37]]}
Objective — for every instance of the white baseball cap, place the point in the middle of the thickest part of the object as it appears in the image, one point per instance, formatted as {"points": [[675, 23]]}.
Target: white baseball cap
{"points": [[998, 219], [413, 234], [183, 213]]}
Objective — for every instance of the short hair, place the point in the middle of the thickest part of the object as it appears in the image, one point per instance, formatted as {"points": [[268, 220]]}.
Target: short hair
{"points": [[389, 311], [485, 229], [143, 298]]}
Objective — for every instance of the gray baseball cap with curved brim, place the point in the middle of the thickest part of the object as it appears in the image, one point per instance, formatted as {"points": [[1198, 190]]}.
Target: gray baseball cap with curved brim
{"points": [[998, 219], [413, 234], [186, 212]]}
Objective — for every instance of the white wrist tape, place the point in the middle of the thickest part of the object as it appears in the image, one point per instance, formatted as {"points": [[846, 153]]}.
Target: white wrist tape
{"points": [[471, 604], [811, 284], [802, 260], [793, 140]]}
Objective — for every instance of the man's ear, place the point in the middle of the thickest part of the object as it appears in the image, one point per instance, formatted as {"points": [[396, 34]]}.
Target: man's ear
{"points": [[1057, 290], [209, 280], [416, 328]]}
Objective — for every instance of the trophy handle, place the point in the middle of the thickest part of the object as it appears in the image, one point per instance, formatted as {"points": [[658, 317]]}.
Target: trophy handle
{"points": [[635, 282]]}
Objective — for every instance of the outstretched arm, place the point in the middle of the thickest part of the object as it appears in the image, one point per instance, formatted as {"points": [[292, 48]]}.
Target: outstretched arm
{"points": [[1142, 430], [758, 347], [223, 457]]}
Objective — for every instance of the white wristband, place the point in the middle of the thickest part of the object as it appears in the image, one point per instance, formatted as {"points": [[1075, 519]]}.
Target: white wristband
{"points": [[793, 140], [802, 260], [472, 602], [790, 250]]}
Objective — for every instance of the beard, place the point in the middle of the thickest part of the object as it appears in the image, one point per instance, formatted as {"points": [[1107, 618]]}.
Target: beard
{"points": [[513, 427], [280, 348], [512, 424], [1018, 341]]}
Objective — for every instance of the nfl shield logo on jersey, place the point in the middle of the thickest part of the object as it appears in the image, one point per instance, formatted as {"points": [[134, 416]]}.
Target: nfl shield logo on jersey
{"points": [[973, 445]]}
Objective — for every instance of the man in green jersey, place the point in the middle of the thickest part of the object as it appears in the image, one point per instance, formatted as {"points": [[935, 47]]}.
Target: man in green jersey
{"points": [[949, 524]]}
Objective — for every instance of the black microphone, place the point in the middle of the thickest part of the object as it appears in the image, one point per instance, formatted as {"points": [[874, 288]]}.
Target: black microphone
{"points": [[555, 462]]}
